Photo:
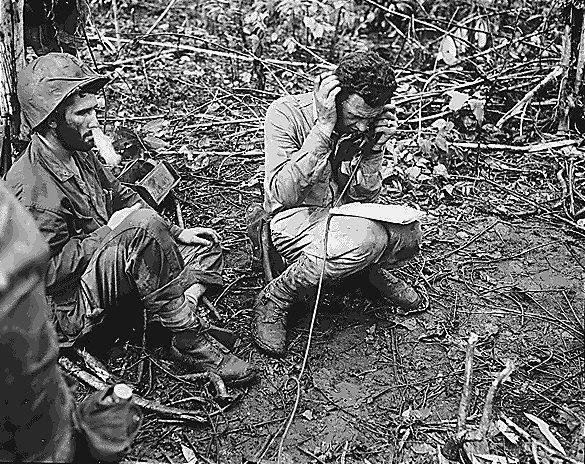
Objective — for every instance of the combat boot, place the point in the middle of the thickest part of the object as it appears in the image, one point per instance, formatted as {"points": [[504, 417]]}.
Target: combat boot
{"points": [[274, 303], [393, 289], [201, 352], [270, 319]]}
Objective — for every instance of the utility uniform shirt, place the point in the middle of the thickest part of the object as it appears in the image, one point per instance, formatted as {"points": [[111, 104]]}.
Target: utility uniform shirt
{"points": [[299, 168], [71, 212]]}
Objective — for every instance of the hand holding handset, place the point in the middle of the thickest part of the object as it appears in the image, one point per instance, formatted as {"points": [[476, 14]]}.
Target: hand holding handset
{"points": [[385, 127]]}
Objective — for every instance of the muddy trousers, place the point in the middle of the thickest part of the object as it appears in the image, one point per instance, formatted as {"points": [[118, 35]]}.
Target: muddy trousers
{"points": [[140, 259], [353, 243]]}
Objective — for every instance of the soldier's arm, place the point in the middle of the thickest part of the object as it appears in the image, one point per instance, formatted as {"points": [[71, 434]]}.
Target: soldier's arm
{"points": [[70, 255], [292, 166]]}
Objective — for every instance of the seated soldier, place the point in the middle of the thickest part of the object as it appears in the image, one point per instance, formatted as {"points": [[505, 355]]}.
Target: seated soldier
{"points": [[105, 247], [316, 151]]}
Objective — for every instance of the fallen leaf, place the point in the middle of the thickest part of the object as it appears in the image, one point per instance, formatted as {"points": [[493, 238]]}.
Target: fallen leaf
{"points": [[449, 189], [189, 455], [425, 145], [439, 123], [457, 100], [481, 30], [477, 107], [440, 170], [184, 150], [491, 329], [409, 324], [200, 162], [314, 27], [387, 173], [448, 50], [156, 126], [155, 143], [495, 459], [463, 36], [545, 430], [290, 45], [441, 143], [420, 414], [422, 448], [413, 172]]}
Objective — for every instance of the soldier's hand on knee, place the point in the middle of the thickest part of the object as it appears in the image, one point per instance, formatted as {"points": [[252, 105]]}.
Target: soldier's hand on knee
{"points": [[198, 236], [324, 93], [122, 214]]}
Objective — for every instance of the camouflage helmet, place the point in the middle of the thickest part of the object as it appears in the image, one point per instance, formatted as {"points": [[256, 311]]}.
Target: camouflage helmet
{"points": [[47, 81]]}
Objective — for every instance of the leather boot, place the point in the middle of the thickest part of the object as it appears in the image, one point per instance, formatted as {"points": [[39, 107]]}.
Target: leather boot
{"points": [[274, 302], [197, 349], [395, 290], [224, 336]]}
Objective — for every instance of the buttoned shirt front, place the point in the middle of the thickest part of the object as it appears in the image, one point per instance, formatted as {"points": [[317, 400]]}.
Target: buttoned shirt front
{"points": [[71, 210]]}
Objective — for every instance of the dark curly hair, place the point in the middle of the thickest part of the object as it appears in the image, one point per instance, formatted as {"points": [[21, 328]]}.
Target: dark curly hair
{"points": [[367, 74]]}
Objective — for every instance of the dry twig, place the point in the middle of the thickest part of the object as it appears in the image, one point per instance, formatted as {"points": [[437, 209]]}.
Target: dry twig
{"points": [[556, 72], [148, 405]]}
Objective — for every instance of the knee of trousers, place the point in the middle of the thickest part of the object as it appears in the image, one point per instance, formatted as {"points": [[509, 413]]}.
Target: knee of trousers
{"points": [[409, 242], [150, 220], [363, 244]]}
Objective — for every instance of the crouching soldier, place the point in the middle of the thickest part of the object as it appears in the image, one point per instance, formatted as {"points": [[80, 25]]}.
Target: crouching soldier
{"points": [[105, 247], [322, 149]]}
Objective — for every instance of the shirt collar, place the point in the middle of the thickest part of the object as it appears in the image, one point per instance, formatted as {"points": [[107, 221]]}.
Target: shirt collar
{"points": [[52, 157]]}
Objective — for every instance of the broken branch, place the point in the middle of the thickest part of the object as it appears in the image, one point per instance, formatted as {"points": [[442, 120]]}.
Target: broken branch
{"points": [[466, 394], [486, 416], [148, 405], [556, 72]]}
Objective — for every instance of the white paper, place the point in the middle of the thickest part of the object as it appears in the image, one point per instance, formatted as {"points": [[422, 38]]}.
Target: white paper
{"points": [[394, 214]]}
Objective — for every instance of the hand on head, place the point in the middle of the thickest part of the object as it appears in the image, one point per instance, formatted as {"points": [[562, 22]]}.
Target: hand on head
{"points": [[325, 90]]}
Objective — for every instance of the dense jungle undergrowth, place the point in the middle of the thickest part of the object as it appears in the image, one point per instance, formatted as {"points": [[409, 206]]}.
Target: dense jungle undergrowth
{"points": [[478, 149]]}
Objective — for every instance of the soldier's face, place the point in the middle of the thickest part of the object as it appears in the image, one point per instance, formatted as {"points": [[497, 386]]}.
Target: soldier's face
{"points": [[355, 115], [79, 118]]}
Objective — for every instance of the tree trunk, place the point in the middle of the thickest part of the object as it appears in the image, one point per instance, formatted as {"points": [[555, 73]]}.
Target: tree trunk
{"points": [[11, 60], [572, 96]]}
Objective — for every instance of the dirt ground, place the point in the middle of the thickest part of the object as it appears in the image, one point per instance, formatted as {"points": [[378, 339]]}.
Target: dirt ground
{"points": [[379, 388]]}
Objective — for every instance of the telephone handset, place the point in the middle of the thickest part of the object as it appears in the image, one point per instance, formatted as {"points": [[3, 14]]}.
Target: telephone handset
{"points": [[352, 144]]}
